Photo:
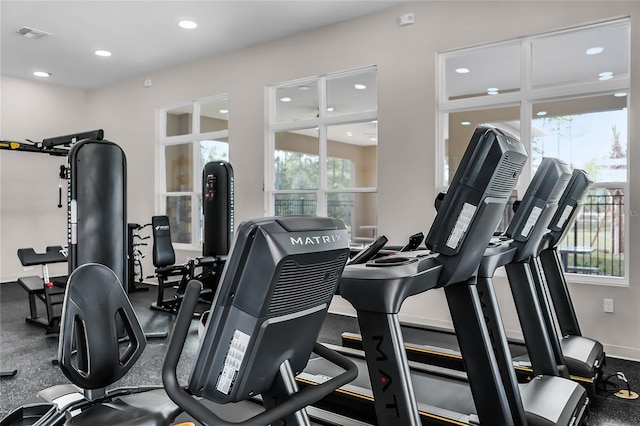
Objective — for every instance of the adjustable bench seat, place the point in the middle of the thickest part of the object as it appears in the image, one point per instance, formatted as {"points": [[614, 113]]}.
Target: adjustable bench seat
{"points": [[36, 288], [32, 284]]}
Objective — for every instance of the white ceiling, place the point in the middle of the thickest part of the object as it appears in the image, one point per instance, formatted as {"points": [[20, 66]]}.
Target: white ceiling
{"points": [[143, 36]]}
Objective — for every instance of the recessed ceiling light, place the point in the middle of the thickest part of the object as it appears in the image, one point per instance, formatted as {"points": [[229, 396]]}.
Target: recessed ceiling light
{"points": [[42, 74], [607, 75], [349, 133], [541, 113], [285, 99], [465, 123], [102, 53], [462, 70], [304, 88], [330, 109], [374, 139], [224, 111], [492, 91], [359, 86], [620, 95], [187, 25], [594, 50]]}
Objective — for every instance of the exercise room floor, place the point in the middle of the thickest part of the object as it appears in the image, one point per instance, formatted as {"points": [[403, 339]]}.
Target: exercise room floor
{"points": [[29, 350]]}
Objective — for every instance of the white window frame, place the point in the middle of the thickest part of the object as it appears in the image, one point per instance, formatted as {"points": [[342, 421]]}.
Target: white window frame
{"points": [[526, 97], [322, 122], [194, 138]]}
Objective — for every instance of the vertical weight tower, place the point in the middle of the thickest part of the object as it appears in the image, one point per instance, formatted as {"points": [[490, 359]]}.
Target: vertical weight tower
{"points": [[97, 212], [217, 207]]}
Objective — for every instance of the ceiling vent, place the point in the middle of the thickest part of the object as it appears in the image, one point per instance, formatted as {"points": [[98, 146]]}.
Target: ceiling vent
{"points": [[28, 32]]}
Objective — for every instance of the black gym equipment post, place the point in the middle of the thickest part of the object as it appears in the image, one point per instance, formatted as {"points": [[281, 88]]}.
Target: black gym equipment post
{"points": [[218, 192], [218, 207]]}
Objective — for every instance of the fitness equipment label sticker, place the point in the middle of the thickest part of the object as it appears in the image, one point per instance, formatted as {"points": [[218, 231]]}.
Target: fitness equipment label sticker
{"points": [[462, 224], [565, 215], [531, 221], [232, 362]]}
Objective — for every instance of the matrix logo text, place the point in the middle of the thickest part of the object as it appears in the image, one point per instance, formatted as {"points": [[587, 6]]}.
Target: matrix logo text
{"points": [[320, 239]]}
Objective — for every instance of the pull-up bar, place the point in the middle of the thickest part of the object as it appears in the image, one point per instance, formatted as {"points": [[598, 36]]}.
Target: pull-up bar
{"points": [[51, 145]]}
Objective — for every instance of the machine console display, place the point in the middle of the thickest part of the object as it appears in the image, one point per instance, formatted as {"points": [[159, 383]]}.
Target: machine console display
{"points": [[472, 207]]}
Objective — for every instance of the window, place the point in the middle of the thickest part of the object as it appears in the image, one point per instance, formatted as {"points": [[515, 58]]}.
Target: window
{"points": [[323, 150], [565, 95], [192, 134]]}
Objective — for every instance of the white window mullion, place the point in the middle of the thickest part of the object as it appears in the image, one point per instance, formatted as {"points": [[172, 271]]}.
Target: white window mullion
{"points": [[195, 119], [321, 209], [197, 189], [270, 172], [270, 169], [321, 206], [525, 111]]}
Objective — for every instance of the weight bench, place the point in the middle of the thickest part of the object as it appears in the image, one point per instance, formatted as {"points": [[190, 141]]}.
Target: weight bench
{"points": [[42, 288]]}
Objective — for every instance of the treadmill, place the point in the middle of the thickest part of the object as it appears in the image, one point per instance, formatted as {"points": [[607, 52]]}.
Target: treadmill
{"points": [[583, 357], [488, 392]]}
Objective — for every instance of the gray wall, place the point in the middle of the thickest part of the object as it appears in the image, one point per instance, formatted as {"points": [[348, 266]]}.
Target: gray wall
{"points": [[406, 61]]}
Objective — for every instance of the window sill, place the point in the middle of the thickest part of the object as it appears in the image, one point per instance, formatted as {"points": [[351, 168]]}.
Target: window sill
{"points": [[597, 280]]}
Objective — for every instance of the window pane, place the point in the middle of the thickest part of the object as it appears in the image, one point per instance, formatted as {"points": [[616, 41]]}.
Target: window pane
{"points": [[179, 212], [483, 72], [179, 121], [572, 58], [595, 245], [213, 150], [297, 160], [587, 133], [296, 204], [297, 102], [463, 124], [359, 212], [179, 166], [352, 151], [214, 115], [352, 93]]}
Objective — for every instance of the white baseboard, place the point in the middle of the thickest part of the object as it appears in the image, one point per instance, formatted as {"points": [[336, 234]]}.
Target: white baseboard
{"points": [[622, 352]]}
